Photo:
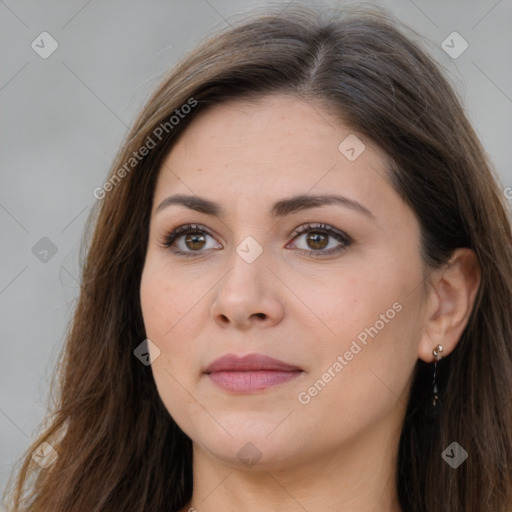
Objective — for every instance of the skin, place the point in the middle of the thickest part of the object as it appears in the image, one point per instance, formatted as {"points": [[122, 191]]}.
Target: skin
{"points": [[338, 451]]}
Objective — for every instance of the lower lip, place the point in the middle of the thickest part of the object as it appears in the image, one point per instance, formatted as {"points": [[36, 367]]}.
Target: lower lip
{"points": [[249, 381]]}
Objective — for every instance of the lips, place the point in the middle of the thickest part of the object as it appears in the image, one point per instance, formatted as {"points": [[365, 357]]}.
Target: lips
{"points": [[250, 362], [253, 372]]}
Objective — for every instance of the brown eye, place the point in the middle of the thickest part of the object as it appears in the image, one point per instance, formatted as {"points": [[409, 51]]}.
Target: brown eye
{"points": [[189, 240], [192, 240], [317, 240], [195, 242]]}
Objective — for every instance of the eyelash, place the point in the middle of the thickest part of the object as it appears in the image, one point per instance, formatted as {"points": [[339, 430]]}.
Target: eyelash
{"points": [[171, 237]]}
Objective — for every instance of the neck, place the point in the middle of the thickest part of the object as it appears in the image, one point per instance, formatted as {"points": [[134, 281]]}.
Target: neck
{"points": [[358, 477]]}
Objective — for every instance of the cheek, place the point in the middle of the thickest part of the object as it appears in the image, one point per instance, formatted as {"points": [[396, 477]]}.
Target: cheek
{"points": [[165, 305], [375, 328], [165, 301], [364, 373], [355, 305], [173, 320]]}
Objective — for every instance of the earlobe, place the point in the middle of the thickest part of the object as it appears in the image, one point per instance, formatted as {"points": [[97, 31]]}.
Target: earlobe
{"points": [[452, 295]]}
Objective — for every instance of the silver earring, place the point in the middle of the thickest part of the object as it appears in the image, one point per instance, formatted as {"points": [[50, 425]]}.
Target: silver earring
{"points": [[437, 353]]}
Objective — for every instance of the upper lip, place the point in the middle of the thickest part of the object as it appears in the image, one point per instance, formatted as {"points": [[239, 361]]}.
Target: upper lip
{"points": [[250, 362]]}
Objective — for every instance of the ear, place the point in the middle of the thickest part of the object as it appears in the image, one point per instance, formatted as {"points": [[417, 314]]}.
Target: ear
{"points": [[449, 303]]}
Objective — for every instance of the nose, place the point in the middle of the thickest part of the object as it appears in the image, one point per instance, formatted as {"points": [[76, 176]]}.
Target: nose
{"points": [[248, 296]]}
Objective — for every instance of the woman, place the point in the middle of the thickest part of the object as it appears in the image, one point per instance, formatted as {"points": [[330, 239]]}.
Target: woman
{"points": [[297, 294]]}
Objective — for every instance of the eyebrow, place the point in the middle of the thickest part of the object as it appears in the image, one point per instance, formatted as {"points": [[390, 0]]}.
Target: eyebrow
{"points": [[279, 209]]}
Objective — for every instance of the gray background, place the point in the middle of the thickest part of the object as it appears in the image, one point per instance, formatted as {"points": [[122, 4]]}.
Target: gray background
{"points": [[64, 117]]}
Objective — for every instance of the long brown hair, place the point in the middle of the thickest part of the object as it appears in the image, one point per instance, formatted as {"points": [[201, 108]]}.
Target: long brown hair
{"points": [[118, 448]]}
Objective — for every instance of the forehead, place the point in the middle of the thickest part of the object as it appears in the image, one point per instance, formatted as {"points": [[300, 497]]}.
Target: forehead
{"points": [[275, 146], [281, 126]]}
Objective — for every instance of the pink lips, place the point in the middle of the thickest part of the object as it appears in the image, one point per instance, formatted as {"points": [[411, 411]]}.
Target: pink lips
{"points": [[253, 372]]}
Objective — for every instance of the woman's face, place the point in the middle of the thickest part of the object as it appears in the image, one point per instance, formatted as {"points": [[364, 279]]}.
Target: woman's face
{"points": [[340, 303]]}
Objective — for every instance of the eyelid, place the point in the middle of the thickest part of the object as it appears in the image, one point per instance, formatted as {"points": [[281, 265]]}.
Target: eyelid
{"points": [[342, 237], [170, 237], [303, 228]]}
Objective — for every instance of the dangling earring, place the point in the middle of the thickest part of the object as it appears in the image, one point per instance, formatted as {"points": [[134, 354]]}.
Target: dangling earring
{"points": [[437, 353]]}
